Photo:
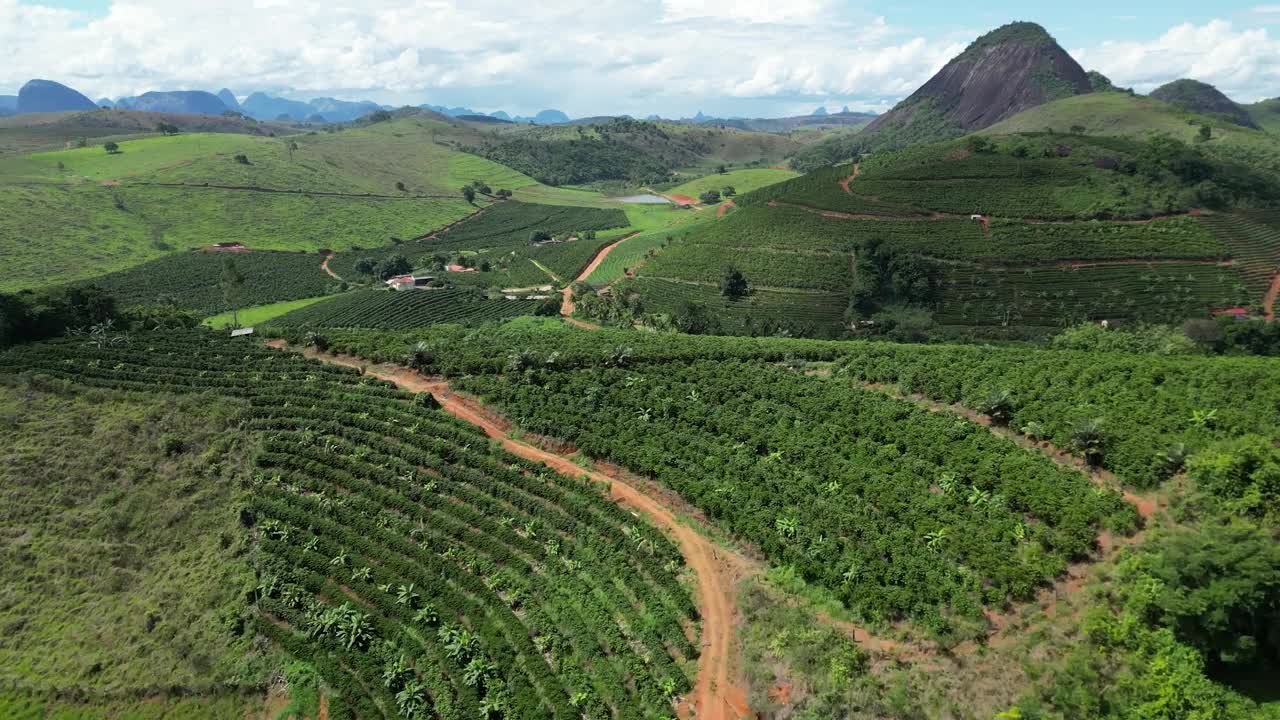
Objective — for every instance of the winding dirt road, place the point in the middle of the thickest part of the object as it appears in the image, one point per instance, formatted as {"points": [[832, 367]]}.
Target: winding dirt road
{"points": [[566, 304], [845, 182], [715, 696]]}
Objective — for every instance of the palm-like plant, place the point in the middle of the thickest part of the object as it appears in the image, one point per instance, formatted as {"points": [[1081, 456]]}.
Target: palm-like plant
{"points": [[787, 526], [935, 539], [1089, 439], [339, 560], [406, 596]]}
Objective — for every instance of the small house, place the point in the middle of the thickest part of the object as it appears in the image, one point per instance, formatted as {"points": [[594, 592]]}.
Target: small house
{"points": [[409, 282]]}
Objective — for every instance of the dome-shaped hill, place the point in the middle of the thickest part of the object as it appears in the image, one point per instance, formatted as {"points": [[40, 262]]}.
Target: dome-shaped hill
{"points": [[50, 96], [1197, 97], [189, 102], [1008, 70]]}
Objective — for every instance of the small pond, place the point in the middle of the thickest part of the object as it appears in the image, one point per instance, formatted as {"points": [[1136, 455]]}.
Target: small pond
{"points": [[644, 200]]}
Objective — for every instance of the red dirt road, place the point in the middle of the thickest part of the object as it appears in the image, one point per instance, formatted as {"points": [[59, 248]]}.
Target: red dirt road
{"points": [[845, 182], [566, 305], [715, 696], [724, 208], [325, 267], [1269, 302]]}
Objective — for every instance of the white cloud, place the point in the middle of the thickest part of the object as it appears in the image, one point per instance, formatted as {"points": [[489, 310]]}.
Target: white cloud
{"points": [[1244, 63], [584, 56], [1267, 9], [750, 11]]}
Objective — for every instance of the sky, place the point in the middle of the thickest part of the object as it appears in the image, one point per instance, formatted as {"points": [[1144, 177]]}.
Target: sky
{"points": [[754, 58]]}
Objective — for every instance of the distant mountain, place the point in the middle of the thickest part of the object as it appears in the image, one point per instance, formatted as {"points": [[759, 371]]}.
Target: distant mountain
{"points": [[264, 107], [500, 114], [787, 124], [334, 110], [8, 105], [821, 111], [228, 98], [1203, 98], [550, 117], [50, 96], [1002, 73], [105, 102], [189, 102]]}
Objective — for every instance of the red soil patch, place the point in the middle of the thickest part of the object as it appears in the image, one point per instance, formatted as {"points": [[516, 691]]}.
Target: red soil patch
{"points": [[1269, 302], [325, 267], [781, 693], [453, 267], [724, 208], [845, 182], [683, 200]]}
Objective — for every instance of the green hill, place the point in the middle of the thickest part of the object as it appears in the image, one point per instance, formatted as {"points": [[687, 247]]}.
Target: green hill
{"points": [[1071, 228], [1266, 114], [72, 214], [627, 151], [1136, 116], [1195, 96]]}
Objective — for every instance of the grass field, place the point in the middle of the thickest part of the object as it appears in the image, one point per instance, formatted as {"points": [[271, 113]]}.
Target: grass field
{"points": [[51, 234], [258, 314], [121, 570], [740, 180]]}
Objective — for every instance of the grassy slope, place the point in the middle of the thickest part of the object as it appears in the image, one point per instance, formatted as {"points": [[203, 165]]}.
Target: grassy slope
{"points": [[65, 224], [1134, 115], [257, 314], [120, 555], [740, 180]]}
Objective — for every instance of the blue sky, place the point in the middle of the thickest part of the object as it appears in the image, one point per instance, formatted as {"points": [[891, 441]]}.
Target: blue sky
{"points": [[673, 57]]}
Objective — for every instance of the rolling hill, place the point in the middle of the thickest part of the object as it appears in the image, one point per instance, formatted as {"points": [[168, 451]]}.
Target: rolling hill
{"points": [[1197, 97], [94, 212], [1013, 238], [41, 96], [627, 151]]}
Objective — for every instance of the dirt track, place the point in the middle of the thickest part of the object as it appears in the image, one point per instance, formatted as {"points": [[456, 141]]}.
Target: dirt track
{"points": [[845, 182], [325, 267], [715, 696], [724, 208], [566, 305], [1269, 302]]}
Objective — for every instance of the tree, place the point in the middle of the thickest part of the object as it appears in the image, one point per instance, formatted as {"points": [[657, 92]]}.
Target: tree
{"points": [[539, 236], [231, 283], [978, 144], [733, 285], [242, 159], [111, 147], [1217, 586], [393, 266], [366, 266], [291, 146], [1205, 133], [722, 170], [469, 194], [400, 186], [709, 197], [728, 191], [167, 128]]}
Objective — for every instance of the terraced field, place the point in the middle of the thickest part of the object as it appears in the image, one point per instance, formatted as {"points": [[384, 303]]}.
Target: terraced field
{"points": [[389, 310], [418, 570], [1254, 239]]}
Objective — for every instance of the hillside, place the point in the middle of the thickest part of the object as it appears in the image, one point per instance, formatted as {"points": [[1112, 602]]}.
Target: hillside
{"points": [[1136, 116], [1266, 114], [1070, 228], [54, 131], [1006, 71], [627, 151], [1197, 97], [95, 212]]}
